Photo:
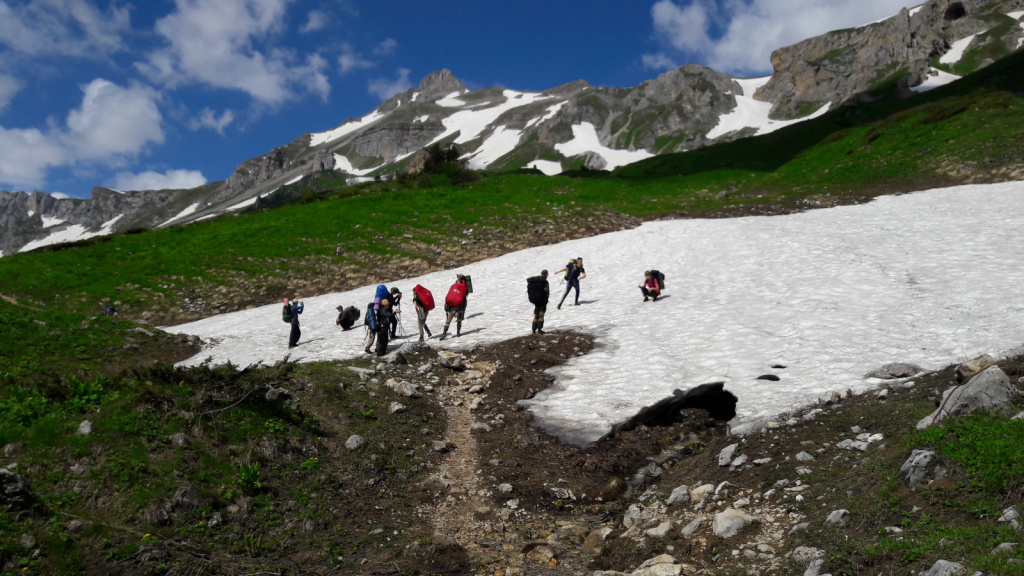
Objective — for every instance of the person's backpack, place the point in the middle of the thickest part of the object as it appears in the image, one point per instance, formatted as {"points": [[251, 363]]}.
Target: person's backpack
{"points": [[456, 295], [660, 277], [286, 314], [424, 296], [371, 318], [349, 318], [569, 269], [110, 311], [469, 284], [535, 290], [382, 293]]}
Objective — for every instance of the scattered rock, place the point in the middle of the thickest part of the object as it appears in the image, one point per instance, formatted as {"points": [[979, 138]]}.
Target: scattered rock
{"points": [[451, 360], [923, 465], [730, 522], [1006, 548], [596, 538], [180, 439], [972, 368], [27, 541], [894, 370], [692, 527], [12, 449], [15, 491], [85, 428], [804, 457], [838, 517], [355, 442], [680, 495], [945, 568], [479, 427], [277, 395], [396, 408], [725, 456], [441, 446]]}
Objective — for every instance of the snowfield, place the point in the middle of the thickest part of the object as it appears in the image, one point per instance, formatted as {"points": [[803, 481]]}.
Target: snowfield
{"points": [[932, 278]]}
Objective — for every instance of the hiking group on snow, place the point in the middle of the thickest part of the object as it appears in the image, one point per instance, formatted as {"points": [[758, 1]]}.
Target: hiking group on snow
{"points": [[383, 317]]}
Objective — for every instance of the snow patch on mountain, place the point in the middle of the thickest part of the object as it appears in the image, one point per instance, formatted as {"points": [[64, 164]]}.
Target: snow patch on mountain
{"points": [[50, 222], [469, 124], [751, 113], [935, 79], [502, 141], [548, 167], [342, 164], [585, 140], [71, 233], [346, 128], [956, 51], [186, 212], [451, 101]]}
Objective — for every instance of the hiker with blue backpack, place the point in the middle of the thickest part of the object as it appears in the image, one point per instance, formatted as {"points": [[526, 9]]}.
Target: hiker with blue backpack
{"points": [[373, 316], [574, 272], [290, 314], [385, 316]]}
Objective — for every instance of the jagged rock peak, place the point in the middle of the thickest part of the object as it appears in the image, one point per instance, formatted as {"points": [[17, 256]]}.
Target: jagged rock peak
{"points": [[440, 84], [569, 89]]}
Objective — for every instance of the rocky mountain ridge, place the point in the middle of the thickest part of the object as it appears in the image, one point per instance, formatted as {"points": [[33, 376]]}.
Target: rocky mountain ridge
{"points": [[570, 126]]}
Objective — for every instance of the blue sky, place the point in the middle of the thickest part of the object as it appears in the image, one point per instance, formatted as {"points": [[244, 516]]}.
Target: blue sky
{"points": [[177, 93]]}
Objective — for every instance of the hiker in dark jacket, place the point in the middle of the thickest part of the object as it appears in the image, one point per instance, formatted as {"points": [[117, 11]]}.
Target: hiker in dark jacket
{"points": [[455, 305], [346, 318], [538, 290], [295, 307], [396, 309], [574, 272], [650, 287], [384, 317]]}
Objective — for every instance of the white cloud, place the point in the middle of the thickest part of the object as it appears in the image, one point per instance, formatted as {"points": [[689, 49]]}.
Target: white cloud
{"points": [[209, 119], [9, 87], [384, 88], [315, 20], [25, 155], [659, 61], [62, 27], [738, 36], [230, 44], [352, 60], [112, 124], [170, 180], [113, 121], [386, 47]]}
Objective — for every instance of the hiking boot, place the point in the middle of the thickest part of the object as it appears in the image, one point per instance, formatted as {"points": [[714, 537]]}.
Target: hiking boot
{"points": [[539, 331], [421, 338], [646, 298], [367, 350]]}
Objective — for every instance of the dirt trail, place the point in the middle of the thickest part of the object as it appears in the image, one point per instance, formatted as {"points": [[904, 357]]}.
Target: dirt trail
{"points": [[467, 500]]}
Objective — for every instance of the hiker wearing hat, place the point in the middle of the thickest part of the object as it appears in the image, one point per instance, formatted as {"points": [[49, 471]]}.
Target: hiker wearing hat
{"points": [[396, 309], [423, 301], [291, 314], [384, 318], [537, 291], [574, 272], [347, 317]]}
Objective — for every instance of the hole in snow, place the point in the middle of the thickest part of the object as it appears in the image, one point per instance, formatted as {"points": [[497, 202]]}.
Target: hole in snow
{"points": [[713, 397]]}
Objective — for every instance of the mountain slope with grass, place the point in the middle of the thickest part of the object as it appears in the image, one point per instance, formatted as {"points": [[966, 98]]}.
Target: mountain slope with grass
{"points": [[567, 128], [116, 462]]}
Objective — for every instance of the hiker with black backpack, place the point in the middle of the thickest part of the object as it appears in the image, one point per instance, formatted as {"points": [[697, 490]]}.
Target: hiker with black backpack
{"points": [[290, 314], [423, 301], [455, 305], [384, 318], [574, 272], [538, 291], [347, 317], [653, 284]]}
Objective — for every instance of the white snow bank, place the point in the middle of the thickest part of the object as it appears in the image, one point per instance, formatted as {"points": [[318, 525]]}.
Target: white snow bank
{"points": [[346, 128], [71, 233], [1016, 14], [186, 212], [751, 113], [935, 79], [585, 139], [502, 141], [50, 222], [548, 167], [956, 51], [343, 164], [932, 278], [471, 123], [451, 101]]}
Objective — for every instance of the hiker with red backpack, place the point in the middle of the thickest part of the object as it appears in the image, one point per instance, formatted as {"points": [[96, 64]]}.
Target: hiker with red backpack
{"points": [[455, 305], [574, 272], [290, 314], [653, 285], [423, 300]]}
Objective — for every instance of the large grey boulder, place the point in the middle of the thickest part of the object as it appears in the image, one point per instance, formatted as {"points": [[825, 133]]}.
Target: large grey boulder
{"points": [[15, 491], [972, 368], [922, 466], [989, 390], [725, 456], [894, 370]]}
